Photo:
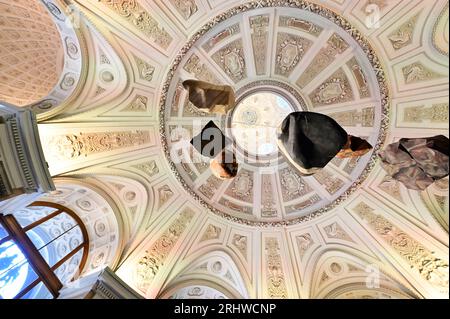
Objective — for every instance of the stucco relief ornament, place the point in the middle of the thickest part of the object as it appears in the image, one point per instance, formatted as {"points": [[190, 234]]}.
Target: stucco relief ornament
{"points": [[292, 184], [435, 113], [139, 104], [199, 70], [124, 8], [130, 196], [268, 204], [46, 104], [142, 20], [335, 231], [68, 147], [100, 228], [57, 193], [186, 7], [414, 73], [440, 33], [417, 72], [337, 44], [146, 71], [55, 11], [430, 267], [147, 269], [250, 117], [212, 232], [68, 81], [98, 260], [233, 62], [331, 92], [290, 54], [304, 241], [165, 193], [75, 145], [149, 265], [276, 284], [195, 292], [72, 49], [240, 242], [403, 36], [243, 185], [85, 204], [217, 267]]}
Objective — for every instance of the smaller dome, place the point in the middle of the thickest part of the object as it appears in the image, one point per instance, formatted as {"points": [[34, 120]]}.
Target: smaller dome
{"points": [[31, 52]]}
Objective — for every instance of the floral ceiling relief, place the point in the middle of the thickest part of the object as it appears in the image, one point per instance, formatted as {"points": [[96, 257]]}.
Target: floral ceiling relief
{"points": [[336, 89], [430, 267], [142, 20], [72, 146], [149, 265], [290, 51], [187, 8], [276, 286]]}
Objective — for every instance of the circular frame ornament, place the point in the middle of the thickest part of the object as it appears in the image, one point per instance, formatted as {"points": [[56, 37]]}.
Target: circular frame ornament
{"points": [[333, 17]]}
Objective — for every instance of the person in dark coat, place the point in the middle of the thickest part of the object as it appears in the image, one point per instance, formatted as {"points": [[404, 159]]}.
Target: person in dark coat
{"points": [[417, 162]]}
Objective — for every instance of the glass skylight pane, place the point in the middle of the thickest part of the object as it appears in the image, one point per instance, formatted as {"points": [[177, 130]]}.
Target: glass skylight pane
{"points": [[61, 246], [3, 232], [51, 229], [18, 274], [40, 291]]}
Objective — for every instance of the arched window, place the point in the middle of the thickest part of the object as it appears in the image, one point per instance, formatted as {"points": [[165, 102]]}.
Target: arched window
{"points": [[42, 248]]}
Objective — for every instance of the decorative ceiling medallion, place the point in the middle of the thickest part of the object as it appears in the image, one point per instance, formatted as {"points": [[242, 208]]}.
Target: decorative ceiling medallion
{"points": [[262, 195]]}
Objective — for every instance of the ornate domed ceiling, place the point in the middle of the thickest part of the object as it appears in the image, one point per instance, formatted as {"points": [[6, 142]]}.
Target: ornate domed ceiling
{"points": [[311, 59], [31, 52], [380, 68]]}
